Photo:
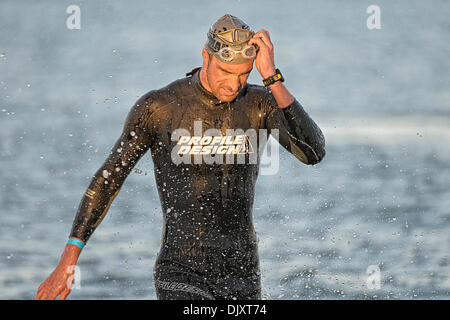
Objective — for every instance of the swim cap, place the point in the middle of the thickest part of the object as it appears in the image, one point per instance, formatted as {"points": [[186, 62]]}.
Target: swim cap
{"points": [[228, 40]]}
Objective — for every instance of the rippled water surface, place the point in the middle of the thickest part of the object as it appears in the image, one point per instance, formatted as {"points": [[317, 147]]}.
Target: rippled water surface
{"points": [[380, 197]]}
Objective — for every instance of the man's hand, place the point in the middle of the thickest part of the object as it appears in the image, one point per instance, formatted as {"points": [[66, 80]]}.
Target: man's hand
{"points": [[59, 283], [264, 61]]}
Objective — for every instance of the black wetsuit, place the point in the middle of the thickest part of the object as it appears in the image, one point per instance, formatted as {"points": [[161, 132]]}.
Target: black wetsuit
{"points": [[209, 246]]}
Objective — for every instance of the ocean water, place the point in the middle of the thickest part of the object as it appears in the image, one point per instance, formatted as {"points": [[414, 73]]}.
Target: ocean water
{"points": [[379, 199]]}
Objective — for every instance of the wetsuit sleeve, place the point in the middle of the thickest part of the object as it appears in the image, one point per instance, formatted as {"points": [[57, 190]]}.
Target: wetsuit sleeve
{"points": [[105, 185], [298, 133]]}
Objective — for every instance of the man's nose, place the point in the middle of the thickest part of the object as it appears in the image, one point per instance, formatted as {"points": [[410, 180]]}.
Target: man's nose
{"points": [[234, 84]]}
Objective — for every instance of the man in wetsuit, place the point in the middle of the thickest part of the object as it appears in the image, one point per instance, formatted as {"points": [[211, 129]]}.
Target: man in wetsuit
{"points": [[201, 133]]}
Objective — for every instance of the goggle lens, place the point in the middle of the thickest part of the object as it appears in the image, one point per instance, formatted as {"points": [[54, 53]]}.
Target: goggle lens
{"points": [[249, 52], [227, 53]]}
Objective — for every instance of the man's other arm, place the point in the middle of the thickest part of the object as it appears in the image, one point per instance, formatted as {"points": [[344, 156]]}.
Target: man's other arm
{"points": [[132, 144]]}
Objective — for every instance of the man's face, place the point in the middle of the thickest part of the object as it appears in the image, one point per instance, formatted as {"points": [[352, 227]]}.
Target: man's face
{"points": [[225, 80]]}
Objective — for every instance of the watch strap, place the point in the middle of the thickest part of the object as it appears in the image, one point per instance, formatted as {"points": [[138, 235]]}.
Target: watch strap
{"points": [[272, 79]]}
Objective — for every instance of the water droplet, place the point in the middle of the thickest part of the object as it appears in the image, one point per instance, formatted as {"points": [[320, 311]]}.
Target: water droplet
{"points": [[41, 156], [132, 133]]}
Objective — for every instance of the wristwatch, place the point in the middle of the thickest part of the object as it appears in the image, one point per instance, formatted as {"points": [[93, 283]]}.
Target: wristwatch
{"points": [[272, 79]]}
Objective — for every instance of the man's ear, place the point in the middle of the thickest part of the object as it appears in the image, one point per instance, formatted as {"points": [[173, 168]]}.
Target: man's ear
{"points": [[206, 57]]}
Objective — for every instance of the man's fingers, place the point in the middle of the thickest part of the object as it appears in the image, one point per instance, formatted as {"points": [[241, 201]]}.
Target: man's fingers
{"points": [[56, 285], [42, 293], [265, 41], [48, 293], [64, 294], [53, 294], [260, 43], [262, 46], [264, 35]]}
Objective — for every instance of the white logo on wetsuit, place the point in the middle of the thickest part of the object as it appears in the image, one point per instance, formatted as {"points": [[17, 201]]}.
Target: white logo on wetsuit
{"points": [[239, 144], [212, 146]]}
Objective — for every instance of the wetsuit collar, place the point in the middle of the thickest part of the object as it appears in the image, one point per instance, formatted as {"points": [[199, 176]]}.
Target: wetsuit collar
{"points": [[207, 97]]}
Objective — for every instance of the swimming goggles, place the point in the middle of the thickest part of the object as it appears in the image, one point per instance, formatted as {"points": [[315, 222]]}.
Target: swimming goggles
{"points": [[228, 53], [230, 43]]}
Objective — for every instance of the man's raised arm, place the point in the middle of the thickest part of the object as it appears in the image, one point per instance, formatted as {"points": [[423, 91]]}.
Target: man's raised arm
{"points": [[298, 133]]}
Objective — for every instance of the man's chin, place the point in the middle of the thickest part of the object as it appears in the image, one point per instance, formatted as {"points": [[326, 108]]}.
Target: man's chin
{"points": [[225, 98]]}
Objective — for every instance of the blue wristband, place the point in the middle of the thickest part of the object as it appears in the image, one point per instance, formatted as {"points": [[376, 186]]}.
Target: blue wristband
{"points": [[76, 242]]}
